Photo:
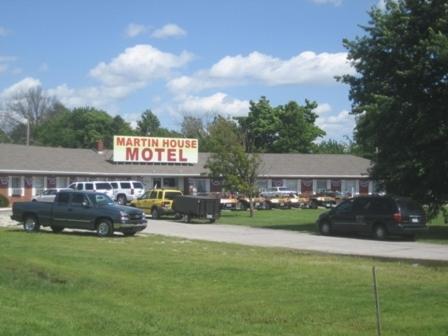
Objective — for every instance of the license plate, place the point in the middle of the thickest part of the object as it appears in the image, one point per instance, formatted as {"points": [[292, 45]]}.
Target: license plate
{"points": [[209, 216], [257, 204], [414, 220], [228, 205]]}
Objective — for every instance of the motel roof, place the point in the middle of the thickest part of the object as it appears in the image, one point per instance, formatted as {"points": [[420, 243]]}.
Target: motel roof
{"points": [[35, 160]]}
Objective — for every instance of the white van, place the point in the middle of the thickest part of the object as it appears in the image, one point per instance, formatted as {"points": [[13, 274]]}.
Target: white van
{"points": [[126, 191], [97, 186]]}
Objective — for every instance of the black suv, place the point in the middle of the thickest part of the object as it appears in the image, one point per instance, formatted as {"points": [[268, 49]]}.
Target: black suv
{"points": [[379, 216]]}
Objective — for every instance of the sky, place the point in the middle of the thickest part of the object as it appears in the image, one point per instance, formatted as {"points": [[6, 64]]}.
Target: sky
{"points": [[183, 58]]}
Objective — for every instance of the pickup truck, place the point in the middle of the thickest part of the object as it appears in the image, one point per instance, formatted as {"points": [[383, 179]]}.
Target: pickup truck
{"points": [[80, 210]]}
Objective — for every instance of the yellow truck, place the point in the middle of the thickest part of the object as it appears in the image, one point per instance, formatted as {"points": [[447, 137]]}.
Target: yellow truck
{"points": [[157, 202]]}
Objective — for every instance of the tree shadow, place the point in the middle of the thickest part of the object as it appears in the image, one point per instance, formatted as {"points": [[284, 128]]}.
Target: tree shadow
{"points": [[435, 232]]}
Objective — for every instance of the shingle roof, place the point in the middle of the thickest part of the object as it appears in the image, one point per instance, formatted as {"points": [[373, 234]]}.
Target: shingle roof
{"points": [[20, 159]]}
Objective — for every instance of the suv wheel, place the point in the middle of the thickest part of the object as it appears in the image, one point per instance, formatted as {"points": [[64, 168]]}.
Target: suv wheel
{"points": [[121, 199], [325, 228], [379, 232]]}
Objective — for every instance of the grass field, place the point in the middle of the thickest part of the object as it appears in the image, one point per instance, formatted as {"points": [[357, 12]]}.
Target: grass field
{"points": [[305, 219], [78, 284]]}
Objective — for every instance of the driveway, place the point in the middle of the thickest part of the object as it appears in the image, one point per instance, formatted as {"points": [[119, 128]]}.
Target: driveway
{"points": [[299, 241], [289, 239]]}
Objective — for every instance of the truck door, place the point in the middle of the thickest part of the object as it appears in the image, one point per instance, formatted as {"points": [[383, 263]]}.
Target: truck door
{"points": [[80, 212], [60, 209]]}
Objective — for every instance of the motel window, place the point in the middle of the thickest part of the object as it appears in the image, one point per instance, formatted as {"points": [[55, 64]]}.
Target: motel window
{"points": [[262, 185], [291, 184], [38, 185], [321, 185], [169, 182], [349, 187], [16, 184], [62, 182], [201, 185]]}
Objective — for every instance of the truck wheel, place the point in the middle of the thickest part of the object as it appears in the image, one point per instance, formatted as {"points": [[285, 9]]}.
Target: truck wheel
{"points": [[121, 199], [155, 213], [57, 229], [104, 228], [31, 224]]}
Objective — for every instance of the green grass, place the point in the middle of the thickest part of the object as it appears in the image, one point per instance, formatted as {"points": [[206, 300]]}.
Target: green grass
{"points": [[78, 284], [304, 220]]}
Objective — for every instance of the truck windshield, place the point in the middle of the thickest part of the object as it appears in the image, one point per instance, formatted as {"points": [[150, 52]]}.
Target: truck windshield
{"points": [[100, 199]]}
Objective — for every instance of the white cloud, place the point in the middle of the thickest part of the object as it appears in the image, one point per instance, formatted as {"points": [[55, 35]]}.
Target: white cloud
{"points": [[335, 125], [218, 103], [139, 65], [324, 2], [322, 109], [3, 31], [135, 29], [169, 30], [20, 87], [304, 68], [5, 62]]}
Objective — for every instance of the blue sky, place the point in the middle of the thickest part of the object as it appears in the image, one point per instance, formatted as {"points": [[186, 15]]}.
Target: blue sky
{"points": [[183, 57]]}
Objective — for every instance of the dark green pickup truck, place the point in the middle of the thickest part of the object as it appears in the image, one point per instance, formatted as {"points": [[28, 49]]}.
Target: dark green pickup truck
{"points": [[80, 210]]}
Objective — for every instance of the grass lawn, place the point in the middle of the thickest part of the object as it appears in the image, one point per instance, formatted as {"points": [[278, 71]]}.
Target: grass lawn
{"points": [[78, 284], [305, 219]]}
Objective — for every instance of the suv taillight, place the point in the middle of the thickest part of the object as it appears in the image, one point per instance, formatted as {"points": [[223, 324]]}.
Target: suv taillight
{"points": [[397, 217]]}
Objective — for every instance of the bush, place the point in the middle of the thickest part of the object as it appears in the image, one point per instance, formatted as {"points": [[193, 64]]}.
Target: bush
{"points": [[4, 202]]}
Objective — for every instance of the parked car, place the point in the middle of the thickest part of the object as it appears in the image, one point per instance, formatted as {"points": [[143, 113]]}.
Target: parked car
{"points": [[47, 195], [79, 210], [95, 186], [277, 191], [126, 191], [379, 216], [157, 202]]}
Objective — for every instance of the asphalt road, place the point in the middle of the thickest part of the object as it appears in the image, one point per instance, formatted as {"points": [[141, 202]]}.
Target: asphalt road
{"points": [[289, 239]]}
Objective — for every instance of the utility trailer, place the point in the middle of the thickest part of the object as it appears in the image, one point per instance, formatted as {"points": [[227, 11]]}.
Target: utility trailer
{"points": [[202, 207]]}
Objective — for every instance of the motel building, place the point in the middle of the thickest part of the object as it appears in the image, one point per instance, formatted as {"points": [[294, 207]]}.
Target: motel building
{"points": [[25, 171]]}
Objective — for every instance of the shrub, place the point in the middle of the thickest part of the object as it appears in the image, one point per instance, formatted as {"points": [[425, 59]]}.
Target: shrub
{"points": [[4, 202]]}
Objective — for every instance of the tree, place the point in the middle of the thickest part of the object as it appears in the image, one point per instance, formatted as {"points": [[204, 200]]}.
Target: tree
{"points": [[193, 127], [229, 162], [25, 111], [286, 128], [148, 124], [331, 147], [399, 97]]}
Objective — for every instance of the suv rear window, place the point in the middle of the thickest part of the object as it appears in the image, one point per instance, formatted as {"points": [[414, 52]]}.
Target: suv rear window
{"points": [[172, 194], [103, 186], [409, 205], [138, 185]]}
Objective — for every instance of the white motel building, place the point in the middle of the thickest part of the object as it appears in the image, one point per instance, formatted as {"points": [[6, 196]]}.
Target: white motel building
{"points": [[25, 171]]}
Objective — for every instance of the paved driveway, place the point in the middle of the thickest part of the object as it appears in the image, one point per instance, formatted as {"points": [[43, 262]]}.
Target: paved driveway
{"points": [[299, 240], [288, 239]]}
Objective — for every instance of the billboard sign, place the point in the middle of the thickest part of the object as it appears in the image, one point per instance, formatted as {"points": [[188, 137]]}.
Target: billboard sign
{"points": [[155, 150]]}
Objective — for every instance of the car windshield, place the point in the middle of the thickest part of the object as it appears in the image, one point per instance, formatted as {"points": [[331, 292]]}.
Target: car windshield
{"points": [[100, 199]]}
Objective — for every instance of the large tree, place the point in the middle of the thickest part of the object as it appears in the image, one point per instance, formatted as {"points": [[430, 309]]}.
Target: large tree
{"points": [[400, 97], [25, 111], [148, 124], [286, 128], [229, 161]]}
